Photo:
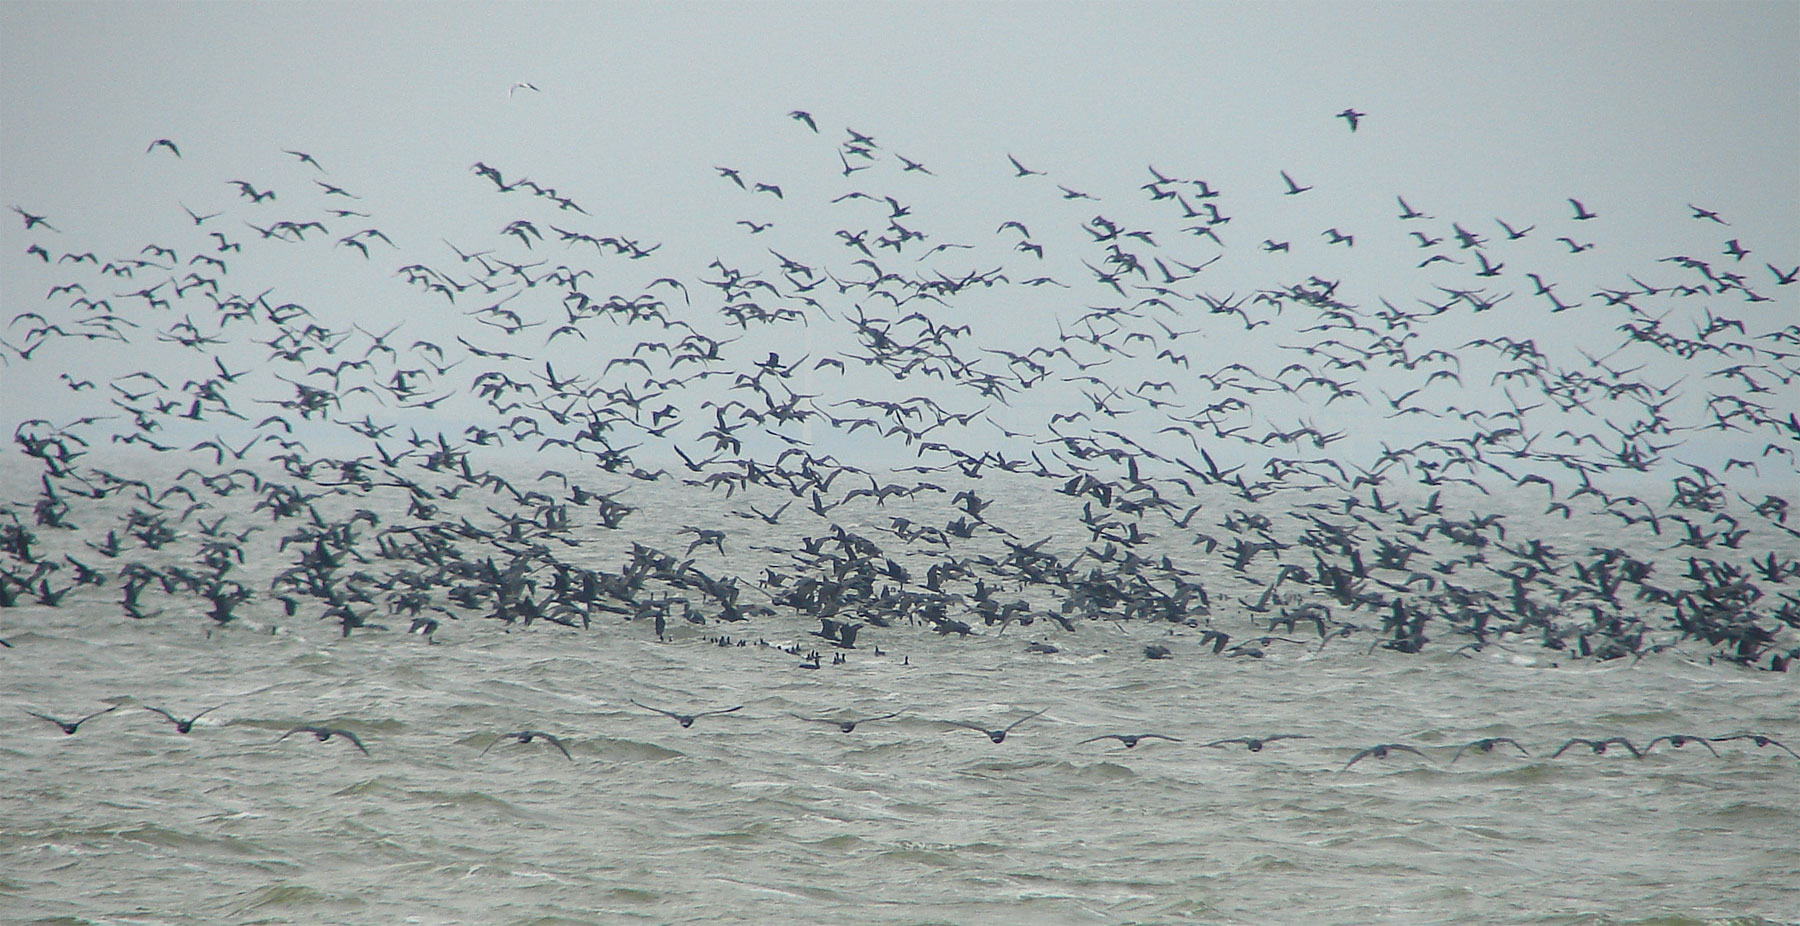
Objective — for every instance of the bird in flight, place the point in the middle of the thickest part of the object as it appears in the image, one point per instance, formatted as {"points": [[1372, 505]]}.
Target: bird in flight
{"points": [[1487, 744], [847, 726], [1293, 189], [33, 221], [324, 733], [68, 727], [1381, 752], [1757, 738], [526, 736], [998, 736], [1022, 169], [1679, 740], [1351, 116], [305, 159], [1700, 213], [1129, 739], [1581, 213], [1408, 212], [1599, 746], [1253, 743], [163, 143], [687, 720], [182, 725], [801, 115], [521, 85]]}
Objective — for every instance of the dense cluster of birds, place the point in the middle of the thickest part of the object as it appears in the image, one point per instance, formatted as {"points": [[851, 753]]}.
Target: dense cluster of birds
{"points": [[849, 724], [1253, 454]]}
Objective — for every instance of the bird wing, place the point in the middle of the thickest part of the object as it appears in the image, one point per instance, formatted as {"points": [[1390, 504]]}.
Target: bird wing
{"points": [[1024, 718]]}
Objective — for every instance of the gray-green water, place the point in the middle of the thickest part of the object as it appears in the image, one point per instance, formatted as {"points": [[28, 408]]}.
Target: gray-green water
{"points": [[759, 817]]}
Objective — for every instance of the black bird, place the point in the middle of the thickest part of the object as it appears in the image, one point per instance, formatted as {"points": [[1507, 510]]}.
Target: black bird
{"points": [[687, 720], [1700, 213], [998, 736], [526, 736], [800, 115], [182, 726], [1381, 752], [1581, 213], [1679, 740], [305, 159], [70, 728], [33, 221], [1022, 169], [847, 726], [163, 143], [1487, 744], [1759, 739], [1129, 739], [1599, 746], [1351, 116], [324, 733], [1255, 744], [1293, 189]]}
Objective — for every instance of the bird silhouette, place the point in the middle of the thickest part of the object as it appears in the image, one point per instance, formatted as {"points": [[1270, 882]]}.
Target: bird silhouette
{"points": [[1255, 743], [1129, 739], [847, 726], [182, 725], [1381, 751], [1599, 747], [1487, 744], [687, 720], [526, 736], [998, 736], [1759, 739], [1293, 189], [323, 734], [69, 727], [1679, 740], [1023, 171]]}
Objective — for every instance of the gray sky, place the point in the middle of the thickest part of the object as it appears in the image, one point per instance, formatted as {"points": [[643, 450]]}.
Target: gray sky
{"points": [[1474, 111]]}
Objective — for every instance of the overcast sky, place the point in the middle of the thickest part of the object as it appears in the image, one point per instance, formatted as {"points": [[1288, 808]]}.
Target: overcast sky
{"points": [[1473, 112]]}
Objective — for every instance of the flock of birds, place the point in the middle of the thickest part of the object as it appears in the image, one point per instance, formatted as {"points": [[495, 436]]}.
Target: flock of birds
{"points": [[1121, 356], [1484, 745]]}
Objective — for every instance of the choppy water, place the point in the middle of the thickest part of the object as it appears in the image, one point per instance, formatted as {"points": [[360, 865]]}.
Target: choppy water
{"points": [[759, 817]]}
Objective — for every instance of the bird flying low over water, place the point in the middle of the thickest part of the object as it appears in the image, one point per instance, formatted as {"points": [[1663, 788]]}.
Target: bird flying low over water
{"points": [[526, 736], [182, 725], [1254, 743], [1678, 740], [1381, 752], [69, 727], [1599, 747], [1487, 744], [998, 736], [847, 726], [1129, 739], [687, 720], [325, 733], [1759, 739]]}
